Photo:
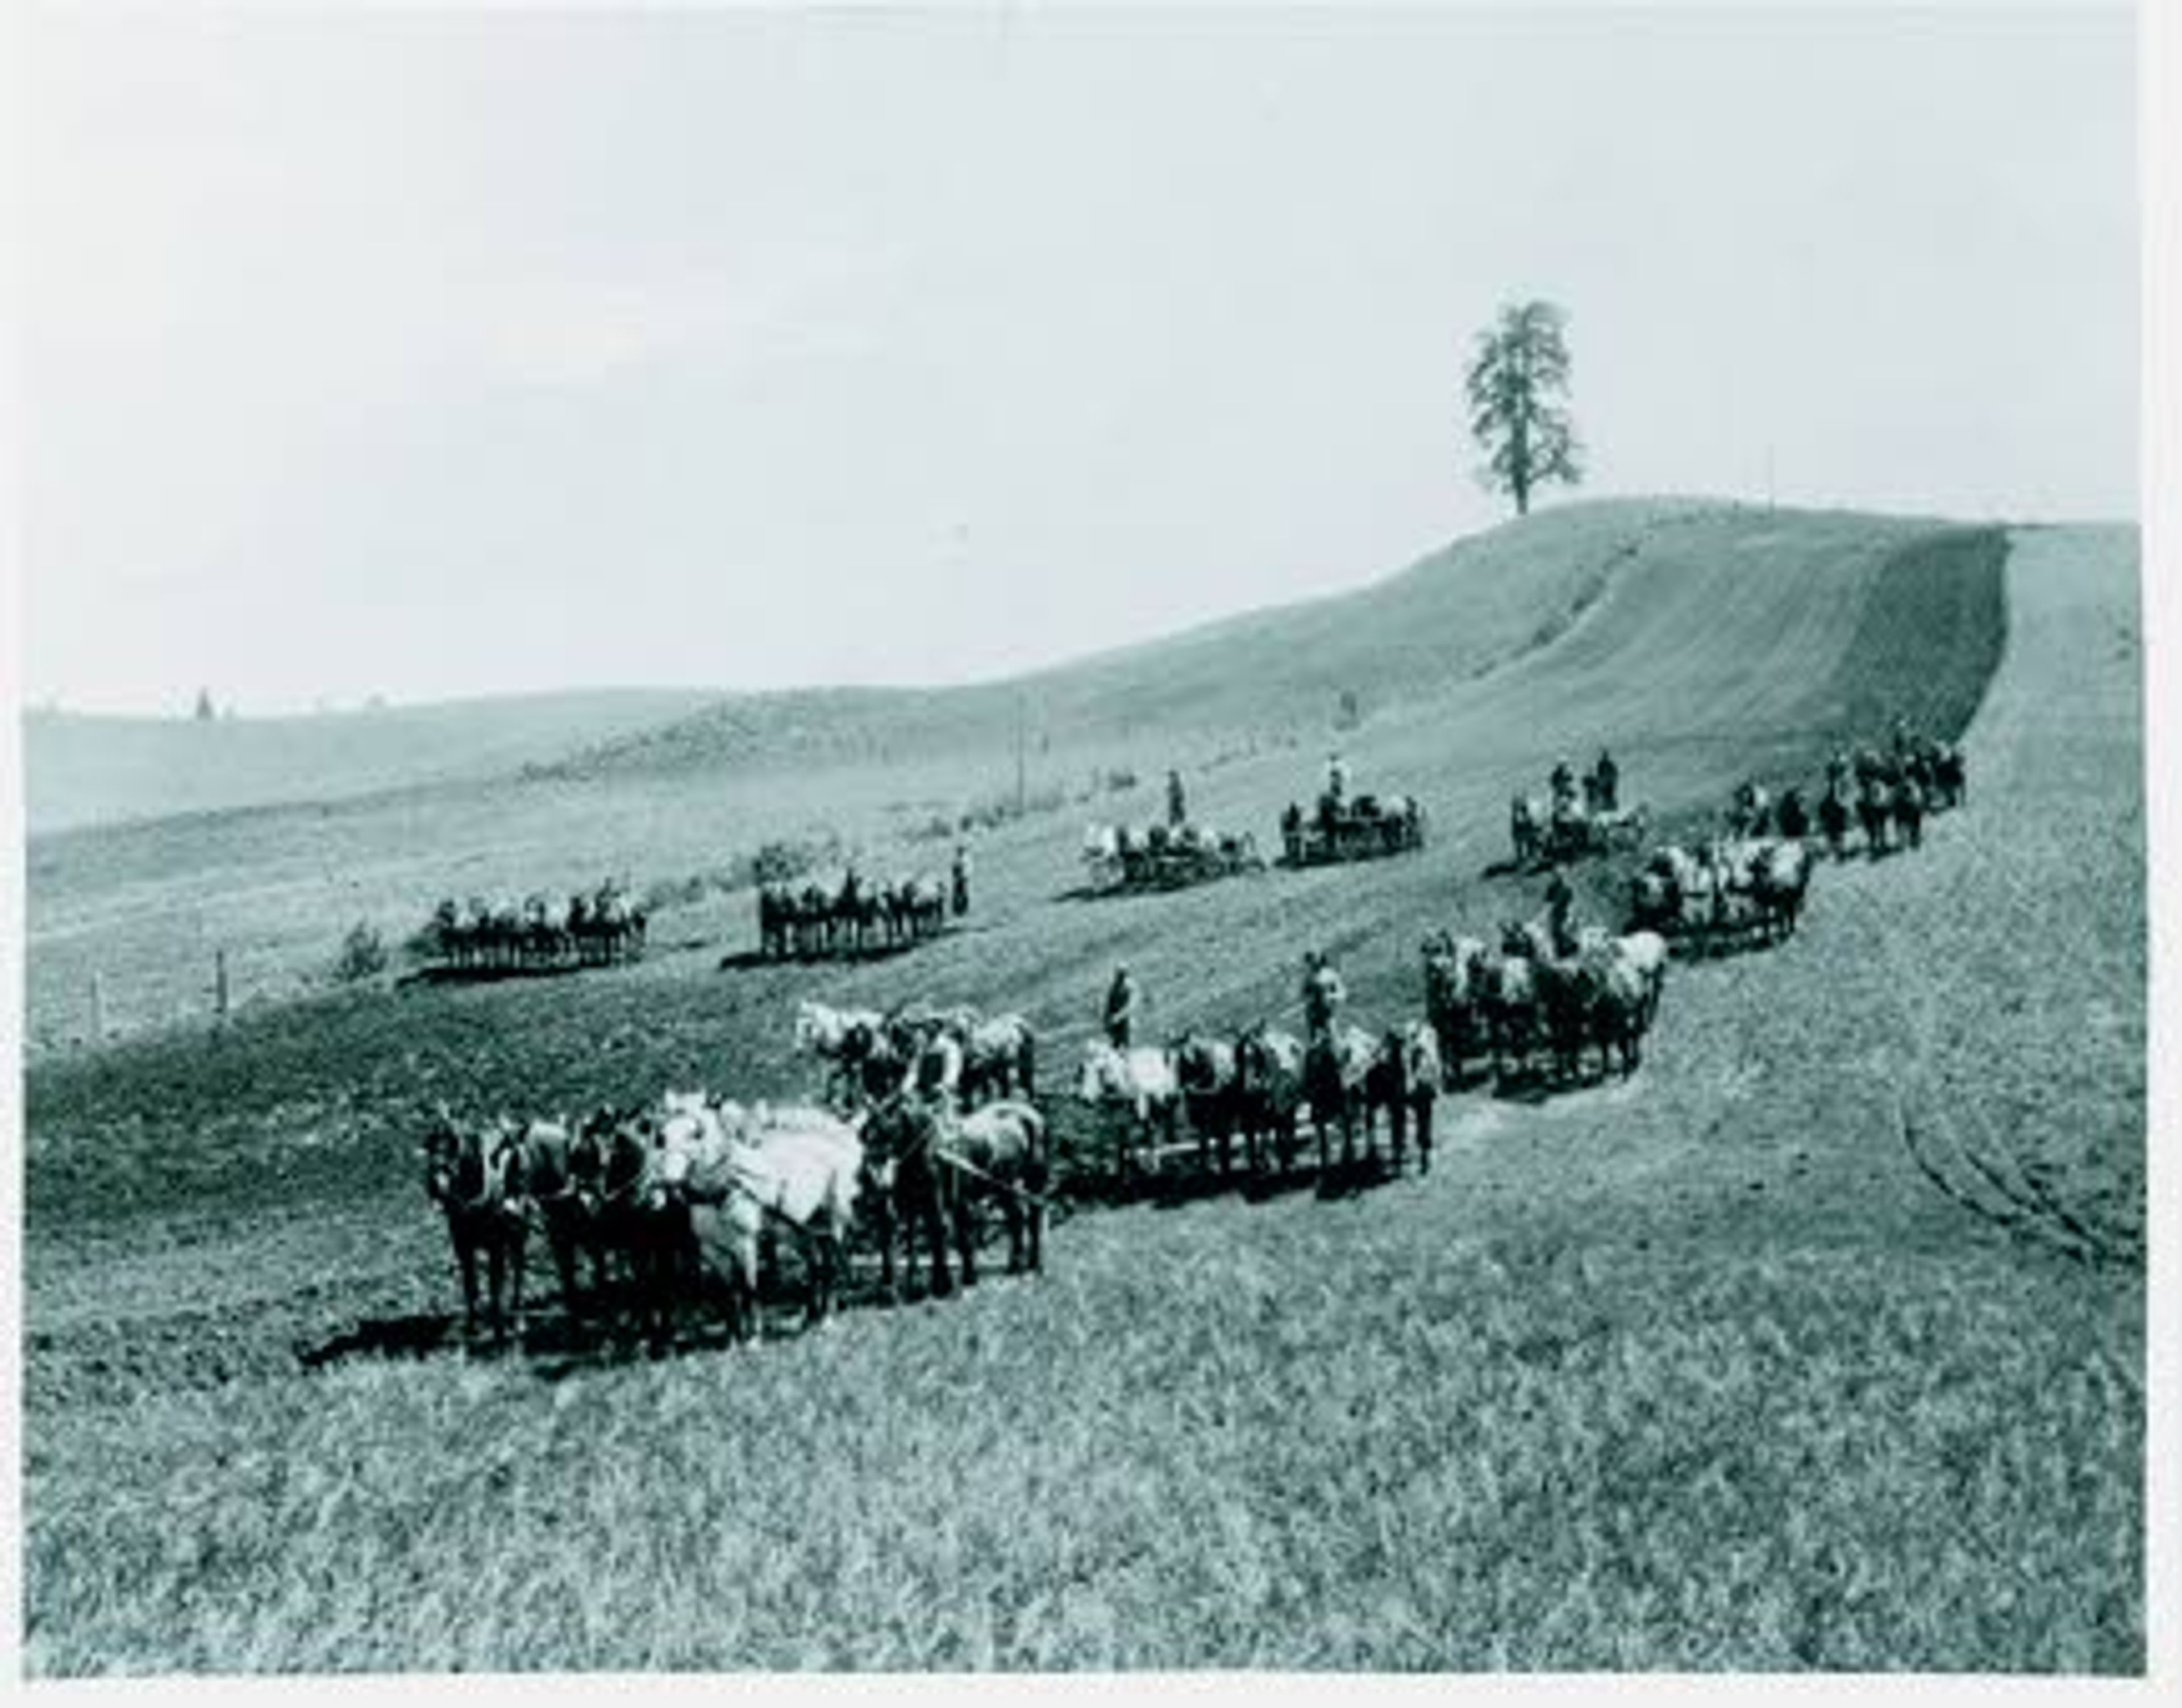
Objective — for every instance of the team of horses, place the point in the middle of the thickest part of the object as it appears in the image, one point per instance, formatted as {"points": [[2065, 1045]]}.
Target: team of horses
{"points": [[655, 1211], [1360, 829], [853, 917], [1159, 855], [597, 928]]}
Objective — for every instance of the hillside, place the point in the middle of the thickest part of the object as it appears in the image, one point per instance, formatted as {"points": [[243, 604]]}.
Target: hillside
{"points": [[80, 768], [1259, 678], [1765, 1359], [1244, 707]]}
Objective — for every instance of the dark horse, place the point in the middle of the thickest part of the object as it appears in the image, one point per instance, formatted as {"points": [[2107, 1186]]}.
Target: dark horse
{"points": [[1205, 1068], [1909, 811], [909, 1194], [926, 1174], [561, 1175], [1269, 1094], [476, 1178], [1875, 806], [639, 1218], [1833, 819], [1405, 1080]]}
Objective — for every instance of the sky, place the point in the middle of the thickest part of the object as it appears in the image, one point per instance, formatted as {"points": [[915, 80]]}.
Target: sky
{"points": [[428, 355]]}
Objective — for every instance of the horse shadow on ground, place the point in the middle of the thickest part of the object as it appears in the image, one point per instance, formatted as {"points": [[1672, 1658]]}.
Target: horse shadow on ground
{"points": [[747, 960], [1179, 1187], [1126, 891], [444, 973], [419, 1334], [1704, 946], [557, 1344], [1533, 1087]]}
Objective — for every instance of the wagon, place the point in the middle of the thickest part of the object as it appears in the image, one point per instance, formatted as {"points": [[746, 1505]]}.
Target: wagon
{"points": [[1571, 834], [1367, 830], [1167, 857]]}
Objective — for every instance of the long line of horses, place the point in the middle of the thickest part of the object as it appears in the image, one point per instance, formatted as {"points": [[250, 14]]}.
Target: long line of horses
{"points": [[652, 1211], [854, 916], [925, 1125], [592, 929]]}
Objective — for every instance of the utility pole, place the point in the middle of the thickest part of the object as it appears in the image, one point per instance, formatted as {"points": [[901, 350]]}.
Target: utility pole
{"points": [[1021, 797]]}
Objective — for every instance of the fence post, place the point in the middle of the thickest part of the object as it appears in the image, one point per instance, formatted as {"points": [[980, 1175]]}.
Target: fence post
{"points": [[219, 984]]}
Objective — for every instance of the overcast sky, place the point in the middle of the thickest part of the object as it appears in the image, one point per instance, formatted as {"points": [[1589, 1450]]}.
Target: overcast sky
{"points": [[401, 354]]}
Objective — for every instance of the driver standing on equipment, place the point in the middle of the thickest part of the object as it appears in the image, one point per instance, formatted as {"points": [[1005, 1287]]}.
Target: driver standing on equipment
{"points": [[1322, 997], [1121, 1008], [1560, 905]]}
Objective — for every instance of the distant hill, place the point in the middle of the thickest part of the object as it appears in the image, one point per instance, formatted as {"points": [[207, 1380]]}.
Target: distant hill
{"points": [[82, 769], [1271, 673]]}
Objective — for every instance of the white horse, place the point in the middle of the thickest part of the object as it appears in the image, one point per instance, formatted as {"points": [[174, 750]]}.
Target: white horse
{"points": [[736, 1167], [1139, 1085]]}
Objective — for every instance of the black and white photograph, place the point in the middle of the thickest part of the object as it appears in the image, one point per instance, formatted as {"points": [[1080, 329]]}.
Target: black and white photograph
{"points": [[1172, 841]]}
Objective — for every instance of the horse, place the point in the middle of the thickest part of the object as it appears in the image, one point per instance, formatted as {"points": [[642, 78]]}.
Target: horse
{"points": [[1833, 818], [1139, 1084], [1781, 878], [928, 1170], [1336, 1063], [922, 901], [1647, 952], [560, 1178], [1909, 811], [1003, 1149], [1950, 787], [1204, 1069], [1623, 1001], [640, 1219], [1527, 816], [1405, 1080], [1000, 1058], [1269, 1092], [1875, 806], [842, 1038], [800, 1168], [1512, 1014], [1453, 999], [475, 1176]]}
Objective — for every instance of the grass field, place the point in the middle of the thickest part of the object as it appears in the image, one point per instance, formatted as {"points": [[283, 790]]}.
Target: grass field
{"points": [[1818, 1343]]}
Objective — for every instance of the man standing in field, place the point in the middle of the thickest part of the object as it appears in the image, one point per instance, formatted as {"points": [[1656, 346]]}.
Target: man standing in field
{"points": [[1176, 807], [1322, 997], [1609, 782], [1121, 1008], [962, 896], [1560, 908]]}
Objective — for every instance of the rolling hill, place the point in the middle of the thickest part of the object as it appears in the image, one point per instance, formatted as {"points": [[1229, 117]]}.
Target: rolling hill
{"points": [[1781, 1355], [82, 769]]}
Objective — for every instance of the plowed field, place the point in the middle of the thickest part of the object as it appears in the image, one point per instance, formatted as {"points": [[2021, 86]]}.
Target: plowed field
{"points": [[1816, 1343]]}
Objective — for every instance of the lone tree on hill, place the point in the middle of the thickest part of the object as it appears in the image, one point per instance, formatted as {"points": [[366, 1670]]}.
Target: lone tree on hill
{"points": [[1517, 386]]}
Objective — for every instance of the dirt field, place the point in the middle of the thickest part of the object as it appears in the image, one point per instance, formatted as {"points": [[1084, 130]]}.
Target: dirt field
{"points": [[1818, 1344]]}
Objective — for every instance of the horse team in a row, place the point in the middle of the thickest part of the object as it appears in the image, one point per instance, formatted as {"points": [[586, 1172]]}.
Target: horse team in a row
{"points": [[592, 929], [676, 1205], [858, 916]]}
